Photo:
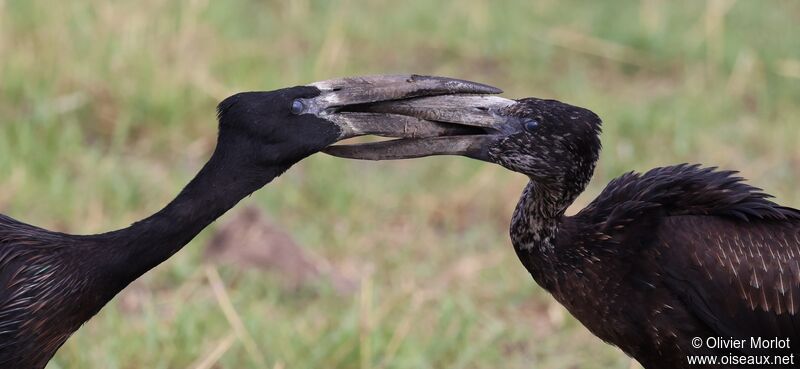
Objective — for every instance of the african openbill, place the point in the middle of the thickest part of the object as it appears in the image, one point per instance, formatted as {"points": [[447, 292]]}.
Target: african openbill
{"points": [[656, 260], [51, 283]]}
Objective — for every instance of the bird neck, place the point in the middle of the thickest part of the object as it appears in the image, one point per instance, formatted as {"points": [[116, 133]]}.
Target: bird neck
{"points": [[537, 217], [219, 185]]}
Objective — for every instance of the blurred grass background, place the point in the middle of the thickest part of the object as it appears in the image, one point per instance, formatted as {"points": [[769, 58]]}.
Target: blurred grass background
{"points": [[107, 109]]}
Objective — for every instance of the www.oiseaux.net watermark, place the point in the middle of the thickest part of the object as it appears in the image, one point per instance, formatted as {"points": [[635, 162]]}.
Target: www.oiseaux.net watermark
{"points": [[736, 346]]}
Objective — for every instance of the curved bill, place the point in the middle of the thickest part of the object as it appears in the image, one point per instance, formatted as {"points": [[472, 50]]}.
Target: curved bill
{"points": [[472, 146], [347, 102], [471, 110], [355, 124], [362, 90], [440, 125]]}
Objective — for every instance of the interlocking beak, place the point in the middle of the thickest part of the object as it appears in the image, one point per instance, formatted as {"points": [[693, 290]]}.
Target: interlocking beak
{"points": [[454, 124], [357, 105]]}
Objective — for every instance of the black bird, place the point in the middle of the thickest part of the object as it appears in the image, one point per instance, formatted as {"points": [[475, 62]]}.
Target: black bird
{"points": [[656, 260], [51, 283]]}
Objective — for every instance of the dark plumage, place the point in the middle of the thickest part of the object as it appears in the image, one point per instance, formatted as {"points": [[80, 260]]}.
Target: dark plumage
{"points": [[51, 283], [657, 259], [676, 253]]}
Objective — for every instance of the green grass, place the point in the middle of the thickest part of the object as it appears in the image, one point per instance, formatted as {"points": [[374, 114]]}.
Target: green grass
{"points": [[107, 109]]}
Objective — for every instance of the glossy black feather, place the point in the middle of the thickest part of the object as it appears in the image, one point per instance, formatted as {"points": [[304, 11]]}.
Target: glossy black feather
{"points": [[51, 283], [685, 242]]}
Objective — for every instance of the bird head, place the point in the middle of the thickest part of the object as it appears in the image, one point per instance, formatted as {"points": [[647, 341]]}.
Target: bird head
{"points": [[283, 126], [551, 142]]}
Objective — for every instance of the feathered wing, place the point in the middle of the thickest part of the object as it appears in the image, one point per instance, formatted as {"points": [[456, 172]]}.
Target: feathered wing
{"points": [[728, 253], [740, 278], [27, 294], [686, 190]]}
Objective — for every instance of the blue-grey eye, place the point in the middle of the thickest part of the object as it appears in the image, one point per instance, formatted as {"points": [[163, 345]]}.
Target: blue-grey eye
{"points": [[297, 106], [530, 124]]}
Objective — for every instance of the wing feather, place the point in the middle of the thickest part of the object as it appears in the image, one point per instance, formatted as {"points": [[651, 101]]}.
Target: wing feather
{"points": [[738, 277], [728, 253]]}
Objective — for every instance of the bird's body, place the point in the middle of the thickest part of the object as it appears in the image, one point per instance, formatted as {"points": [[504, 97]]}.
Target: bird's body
{"points": [[661, 258], [657, 260], [39, 266]]}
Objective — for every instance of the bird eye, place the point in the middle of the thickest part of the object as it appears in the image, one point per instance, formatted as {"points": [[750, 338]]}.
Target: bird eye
{"points": [[297, 107], [530, 124]]}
